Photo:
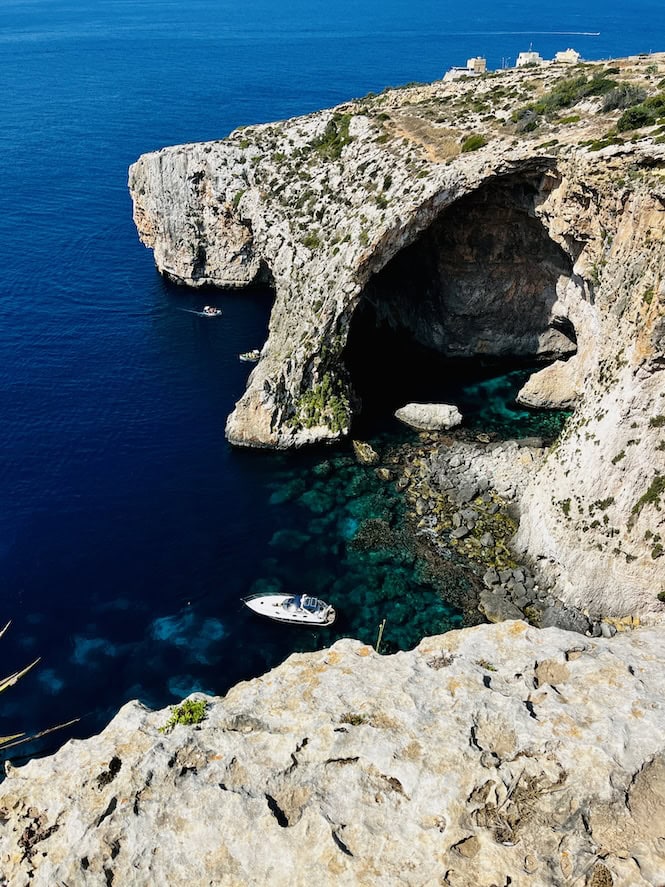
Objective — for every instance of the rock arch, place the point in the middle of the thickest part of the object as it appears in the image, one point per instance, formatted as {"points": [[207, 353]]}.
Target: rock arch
{"points": [[483, 278]]}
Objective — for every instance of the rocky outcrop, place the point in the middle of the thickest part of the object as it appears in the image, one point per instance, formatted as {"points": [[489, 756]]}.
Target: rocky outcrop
{"points": [[545, 242], [556, 387], [494, 755], [429, 416]]}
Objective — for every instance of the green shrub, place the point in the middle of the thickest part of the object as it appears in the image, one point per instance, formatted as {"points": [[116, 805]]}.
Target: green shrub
{"points": [[334, 137], [564, 94], [192, 711], [324, 404], [473, 142], [645, 114], [569, 92], [625, 95], [652, 495], [311, 240], [635, 118]]}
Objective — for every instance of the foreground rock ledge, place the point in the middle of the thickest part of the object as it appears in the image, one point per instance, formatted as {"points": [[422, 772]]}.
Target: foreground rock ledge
{"points": [[493, 755]]}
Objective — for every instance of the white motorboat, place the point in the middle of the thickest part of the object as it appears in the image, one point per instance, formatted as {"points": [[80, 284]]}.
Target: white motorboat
{"points": [[211, 311], [250, 356], [297, 609]]}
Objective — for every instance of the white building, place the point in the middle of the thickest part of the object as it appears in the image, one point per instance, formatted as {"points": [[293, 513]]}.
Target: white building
{"points": [[569, 56], [477, 65], [474, 67], [529, 58]]}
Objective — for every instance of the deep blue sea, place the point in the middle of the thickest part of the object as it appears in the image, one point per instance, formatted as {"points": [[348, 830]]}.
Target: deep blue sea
{"points": [[129, 530]]}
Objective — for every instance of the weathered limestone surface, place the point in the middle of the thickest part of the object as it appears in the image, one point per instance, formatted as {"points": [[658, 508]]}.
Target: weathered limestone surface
{"points": [[493, 755], [536, 244], [430, 416]]}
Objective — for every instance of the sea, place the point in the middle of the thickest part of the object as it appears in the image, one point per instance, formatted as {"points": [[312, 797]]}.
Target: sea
{"points": [[129, 529]]}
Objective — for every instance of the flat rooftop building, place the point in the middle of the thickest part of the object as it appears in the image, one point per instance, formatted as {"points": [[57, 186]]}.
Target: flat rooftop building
{"points": [[474, 67], [529, 58]]}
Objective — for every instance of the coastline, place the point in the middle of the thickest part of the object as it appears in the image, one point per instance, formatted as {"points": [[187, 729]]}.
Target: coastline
{"points": [[464, 497]]}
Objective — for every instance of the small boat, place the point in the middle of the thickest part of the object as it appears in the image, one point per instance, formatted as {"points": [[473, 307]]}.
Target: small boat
{"points": [[211, 311], [298, 609], [250, 356]]}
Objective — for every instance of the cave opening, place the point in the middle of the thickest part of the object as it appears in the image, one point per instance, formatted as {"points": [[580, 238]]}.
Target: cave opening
{"points": [[466, 311]]}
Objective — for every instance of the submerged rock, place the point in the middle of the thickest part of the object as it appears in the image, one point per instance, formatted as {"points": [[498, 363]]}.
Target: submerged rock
{"points": [[429, 416], [494, 755], [365, 453]]}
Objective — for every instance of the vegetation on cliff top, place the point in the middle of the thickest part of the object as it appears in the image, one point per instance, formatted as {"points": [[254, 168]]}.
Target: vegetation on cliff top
{"points": [[192, 711], [334, 137]]}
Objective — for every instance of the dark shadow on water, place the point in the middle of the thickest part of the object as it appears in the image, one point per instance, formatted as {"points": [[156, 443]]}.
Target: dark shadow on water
{"points": [[388, 370]]}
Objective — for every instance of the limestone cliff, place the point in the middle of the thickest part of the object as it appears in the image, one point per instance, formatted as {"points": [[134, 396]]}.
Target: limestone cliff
{"points": [[547, 240], [490, 756]]}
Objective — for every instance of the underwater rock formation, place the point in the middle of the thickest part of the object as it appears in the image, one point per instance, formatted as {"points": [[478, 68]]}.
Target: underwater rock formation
{"points": [[548, 241], [492, 755]]}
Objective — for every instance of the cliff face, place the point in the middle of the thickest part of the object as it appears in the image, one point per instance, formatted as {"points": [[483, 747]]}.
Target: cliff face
{"points": [[494, 755], [545, 241]]}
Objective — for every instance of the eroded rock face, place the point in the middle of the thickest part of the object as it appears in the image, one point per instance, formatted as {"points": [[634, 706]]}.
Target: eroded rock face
{"points": [[481, 279], [521, 248], [499, 754]]}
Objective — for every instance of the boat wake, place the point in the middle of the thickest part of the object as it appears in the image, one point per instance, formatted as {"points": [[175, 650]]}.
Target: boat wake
{"points": [[216, 313]]}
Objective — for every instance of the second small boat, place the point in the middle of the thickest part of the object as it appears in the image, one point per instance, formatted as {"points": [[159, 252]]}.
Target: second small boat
{"points": [[250, 356]]}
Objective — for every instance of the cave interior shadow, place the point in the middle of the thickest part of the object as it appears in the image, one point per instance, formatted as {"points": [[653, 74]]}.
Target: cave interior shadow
{"points": [[470, 300]]}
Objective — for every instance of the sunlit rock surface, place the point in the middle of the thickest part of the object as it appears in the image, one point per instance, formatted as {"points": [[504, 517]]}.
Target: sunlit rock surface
{"points": [[546, 243], [493, 755]]}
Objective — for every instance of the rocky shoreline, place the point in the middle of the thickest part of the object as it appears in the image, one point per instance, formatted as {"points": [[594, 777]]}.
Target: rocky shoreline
{"points": [[547, 243], [464, 493]]}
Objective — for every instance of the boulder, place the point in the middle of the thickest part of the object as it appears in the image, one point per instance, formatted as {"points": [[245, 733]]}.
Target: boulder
{"points": [[429, 416], [497, 608], [365, 453], [556, 387]]}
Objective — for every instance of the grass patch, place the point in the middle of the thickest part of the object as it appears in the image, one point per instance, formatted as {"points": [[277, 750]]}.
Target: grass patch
{"points": [[355, 720]]}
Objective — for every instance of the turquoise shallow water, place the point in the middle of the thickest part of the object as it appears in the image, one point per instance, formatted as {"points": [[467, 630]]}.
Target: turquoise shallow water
{"points": [[129, 530]]}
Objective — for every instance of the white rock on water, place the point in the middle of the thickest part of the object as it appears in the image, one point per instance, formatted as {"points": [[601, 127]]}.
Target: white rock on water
{"points": [[429, 416], [493, 755]]}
